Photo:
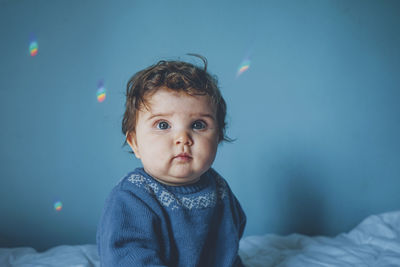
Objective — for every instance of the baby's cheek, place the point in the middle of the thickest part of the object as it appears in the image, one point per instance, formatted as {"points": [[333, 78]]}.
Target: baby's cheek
{"points": [[209, 151], [213, 145]]}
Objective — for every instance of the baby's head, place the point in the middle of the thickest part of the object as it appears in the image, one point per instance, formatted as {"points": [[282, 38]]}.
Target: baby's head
{"points": [[174, 120]]}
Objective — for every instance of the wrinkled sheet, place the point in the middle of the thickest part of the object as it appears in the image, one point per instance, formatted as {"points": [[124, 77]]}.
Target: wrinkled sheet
{"points": [[76, 256], [374, 242]]}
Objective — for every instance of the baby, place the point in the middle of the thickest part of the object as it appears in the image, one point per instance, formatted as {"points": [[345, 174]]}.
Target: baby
{"points": [[176, 210]]}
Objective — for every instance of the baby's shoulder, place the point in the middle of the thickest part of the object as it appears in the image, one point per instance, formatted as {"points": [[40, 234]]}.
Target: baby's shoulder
{"points": [[220, 181], [136, 181], [134, 186]]}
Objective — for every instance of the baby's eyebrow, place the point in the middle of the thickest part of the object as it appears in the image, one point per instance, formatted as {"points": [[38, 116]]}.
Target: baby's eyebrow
{"points": [[201, 115], [206, 115], [158, 115]]}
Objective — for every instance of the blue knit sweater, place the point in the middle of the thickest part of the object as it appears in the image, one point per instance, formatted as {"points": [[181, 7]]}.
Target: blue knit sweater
{"points": [[147, 223]]}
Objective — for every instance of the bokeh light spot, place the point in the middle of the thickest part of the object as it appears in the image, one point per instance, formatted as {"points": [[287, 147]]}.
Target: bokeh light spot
{"points": [[33, 48], [58, 205]]}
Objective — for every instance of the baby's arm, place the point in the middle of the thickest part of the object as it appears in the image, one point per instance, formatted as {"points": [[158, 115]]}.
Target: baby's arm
{"points": [[129, 232]]}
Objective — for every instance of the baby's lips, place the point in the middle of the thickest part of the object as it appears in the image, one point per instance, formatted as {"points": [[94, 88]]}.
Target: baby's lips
{"points": [[183, 157]]}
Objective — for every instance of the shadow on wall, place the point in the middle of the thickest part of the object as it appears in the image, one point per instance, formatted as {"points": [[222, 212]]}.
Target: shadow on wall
{"points": [[302, 202]]}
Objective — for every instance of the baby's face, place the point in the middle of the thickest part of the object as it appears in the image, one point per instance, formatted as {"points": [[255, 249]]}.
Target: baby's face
{"points": [[176, 138]]}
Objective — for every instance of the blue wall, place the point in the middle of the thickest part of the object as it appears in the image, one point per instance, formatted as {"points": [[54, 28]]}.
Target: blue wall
{"points": [[316, 116]]}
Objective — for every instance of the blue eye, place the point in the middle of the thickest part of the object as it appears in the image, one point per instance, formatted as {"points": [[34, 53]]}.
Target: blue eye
{"points": [[199, 125], [162, 125]]}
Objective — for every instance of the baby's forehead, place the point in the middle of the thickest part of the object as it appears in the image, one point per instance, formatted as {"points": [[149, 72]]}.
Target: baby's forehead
{"points": [[167, 100], [164, 95]]}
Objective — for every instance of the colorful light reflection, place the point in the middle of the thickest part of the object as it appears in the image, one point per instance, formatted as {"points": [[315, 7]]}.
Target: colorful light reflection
{"points": [[244, 66], [101, 92]]}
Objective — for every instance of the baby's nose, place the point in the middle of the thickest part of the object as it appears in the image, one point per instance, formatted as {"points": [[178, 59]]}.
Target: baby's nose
{"points": [[183, 138]]}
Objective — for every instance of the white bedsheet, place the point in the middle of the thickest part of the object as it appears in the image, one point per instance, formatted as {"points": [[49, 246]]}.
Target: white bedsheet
{"points": [[374, 242], [76, 256]]}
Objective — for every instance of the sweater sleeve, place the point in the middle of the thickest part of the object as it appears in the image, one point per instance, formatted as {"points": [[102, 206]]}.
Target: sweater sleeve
{"points": [[242, 225], [242, 218], [129, 232]]}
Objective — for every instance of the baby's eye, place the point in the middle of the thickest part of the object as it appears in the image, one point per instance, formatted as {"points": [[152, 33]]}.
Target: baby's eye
{"points": [[198, 125], [162, 125]]}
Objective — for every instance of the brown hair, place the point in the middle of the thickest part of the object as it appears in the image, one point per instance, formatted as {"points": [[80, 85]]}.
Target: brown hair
{"points": [[174, 75]]}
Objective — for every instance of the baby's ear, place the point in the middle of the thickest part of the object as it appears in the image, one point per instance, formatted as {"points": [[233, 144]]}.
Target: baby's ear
{"points": [[131, 140]]}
